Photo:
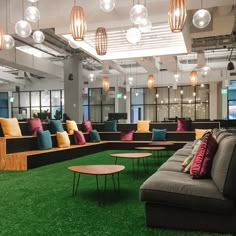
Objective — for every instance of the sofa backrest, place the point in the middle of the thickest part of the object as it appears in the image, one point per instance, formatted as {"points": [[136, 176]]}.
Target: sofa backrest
{"points": [[221, 135], [223, 170]]}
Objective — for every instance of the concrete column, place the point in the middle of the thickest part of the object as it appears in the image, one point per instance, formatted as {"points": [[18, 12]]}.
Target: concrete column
{"points": [[73, 88], [213, 100]]}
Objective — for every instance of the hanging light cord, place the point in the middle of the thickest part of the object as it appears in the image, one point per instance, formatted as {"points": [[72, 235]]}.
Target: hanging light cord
{"points": [[231, 53], [6, 18], [23, 14]]}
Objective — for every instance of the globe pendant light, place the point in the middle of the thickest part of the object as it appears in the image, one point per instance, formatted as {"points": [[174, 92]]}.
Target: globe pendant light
{"points": [[201, 18], [73, 44], [150, 81], [1, 40], [23, 28], [133, 35], [33, 1], [193, 78], [138, 13], [9, 42], [105, 83], [145, 26], [38, 36], [177, 15], [78, 25], [32, 14], [107, 5], [101, 41]]}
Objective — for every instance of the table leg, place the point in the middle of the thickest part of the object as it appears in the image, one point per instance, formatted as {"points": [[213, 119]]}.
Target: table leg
{"points": [[115, 160], [118, 184], [114, 182], [98, 192], [76, 189]]}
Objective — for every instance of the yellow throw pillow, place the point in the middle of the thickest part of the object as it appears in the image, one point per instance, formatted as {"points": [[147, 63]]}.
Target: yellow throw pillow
{"points": [[143, 125], [200, 132], [10, 127], [71, 126], [63, 139]]}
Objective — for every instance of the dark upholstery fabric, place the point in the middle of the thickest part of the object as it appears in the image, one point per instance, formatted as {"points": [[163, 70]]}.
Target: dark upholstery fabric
{"points": [[184, 125], [171, 166], [79, 137]]}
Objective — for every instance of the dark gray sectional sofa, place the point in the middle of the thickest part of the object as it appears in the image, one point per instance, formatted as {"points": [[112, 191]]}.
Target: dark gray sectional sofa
{"points": [[174, 200]]}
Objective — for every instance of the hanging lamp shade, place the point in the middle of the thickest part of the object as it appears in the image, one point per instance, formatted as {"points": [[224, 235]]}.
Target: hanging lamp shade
{"points": [[78, 25], [105, 83], [177, 15], [1, 40], [150, 81], [193, 78], [101, 41]]}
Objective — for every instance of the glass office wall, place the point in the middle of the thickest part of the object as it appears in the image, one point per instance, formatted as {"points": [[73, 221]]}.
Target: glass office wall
{"points": [[4, 104], [231, 94]]}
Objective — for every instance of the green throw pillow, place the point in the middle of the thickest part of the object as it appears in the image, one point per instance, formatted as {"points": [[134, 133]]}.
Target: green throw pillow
{"points": [[158, 134], [56, 126], [187, 164], [44, 140], [94, 136], [110, 126]]}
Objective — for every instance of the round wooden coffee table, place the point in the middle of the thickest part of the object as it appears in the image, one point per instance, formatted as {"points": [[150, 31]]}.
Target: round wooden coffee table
{"points": [[133, 156], [96, 170], [161, 143]]}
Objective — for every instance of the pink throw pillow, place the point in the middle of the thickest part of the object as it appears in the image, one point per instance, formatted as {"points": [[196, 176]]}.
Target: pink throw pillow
{"points": [[203, 157], [183, 125], [87, 126], [79, 137], [126, 135], [34, 125]]}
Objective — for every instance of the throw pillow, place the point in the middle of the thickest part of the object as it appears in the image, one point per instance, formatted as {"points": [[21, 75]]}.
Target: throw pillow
{"points": [[44, 140], [110, 126], [55, 126], [143, 125], [94, 136], [71, 126], [87, 126], [126, 135], [158, 134], [10, 127], [79, 137], [34, 125], [63, 139], [187, 163], [203, 157], [184, 125], [200, 132]]}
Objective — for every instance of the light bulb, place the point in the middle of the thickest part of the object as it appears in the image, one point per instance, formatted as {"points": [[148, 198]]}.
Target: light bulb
{"points": [[107, 5], [38, 36], [32, 14], [145, 26], [157, 95], [133, 35], [125, 97], [33, 1], [138, 13], [73, 44], [92, 77], [201, 18], [23, 28], [9, 42]]}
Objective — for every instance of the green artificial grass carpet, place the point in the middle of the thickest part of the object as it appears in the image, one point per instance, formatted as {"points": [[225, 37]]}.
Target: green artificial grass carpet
{"points": [[40, 202]]}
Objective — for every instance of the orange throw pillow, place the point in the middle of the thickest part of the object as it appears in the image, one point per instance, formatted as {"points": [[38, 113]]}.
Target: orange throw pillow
{"points": [[143, 125], [10, 127], [71, 126], [63, 139]]}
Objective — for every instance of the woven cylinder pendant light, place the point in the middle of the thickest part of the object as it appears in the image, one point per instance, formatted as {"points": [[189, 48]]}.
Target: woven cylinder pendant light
{"points": [[101, 41], [78, 24], [1, 40], [193, 78], [177, 15], [150, 81], [105, 83]]}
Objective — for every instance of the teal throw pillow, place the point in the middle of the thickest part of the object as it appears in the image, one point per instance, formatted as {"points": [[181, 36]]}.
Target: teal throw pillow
{"points": [[94, 136], [44, 140], [110, 126], [158, 134], [56, 126]]}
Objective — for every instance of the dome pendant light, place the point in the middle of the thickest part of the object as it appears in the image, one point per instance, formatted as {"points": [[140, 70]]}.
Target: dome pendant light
{"points": [[201, 18]]}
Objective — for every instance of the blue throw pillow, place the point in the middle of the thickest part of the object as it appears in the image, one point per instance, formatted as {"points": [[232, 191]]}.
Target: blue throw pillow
{"points": [[94, 136], [56, 126], [158, 134], [44, 140], [110, 125]]}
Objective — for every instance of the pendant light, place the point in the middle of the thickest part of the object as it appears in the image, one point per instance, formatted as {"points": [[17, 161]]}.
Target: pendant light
{"points": [[1, 39], [201, 18], [138, 14], [33, 1], [150, 81], [105, 83], [107, 5], [193, 78], [133, 35], [9, 42], [92, 77], [32, 14], [145, 26], [22, 27], [78, 25], [101, 41], [177, 15]]}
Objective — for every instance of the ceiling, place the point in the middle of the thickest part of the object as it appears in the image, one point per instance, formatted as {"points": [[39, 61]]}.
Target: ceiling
{"points": [[158, 50]]}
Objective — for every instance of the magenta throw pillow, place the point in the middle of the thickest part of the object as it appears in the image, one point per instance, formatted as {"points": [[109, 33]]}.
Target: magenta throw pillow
{"points": [[126, 135], [87, 126], [184, 125], [202, 160], [79, 137], [34, 125]]}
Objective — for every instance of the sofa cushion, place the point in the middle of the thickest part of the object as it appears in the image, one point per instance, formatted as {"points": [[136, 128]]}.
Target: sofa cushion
{"points": [[143, 125], [202, 160], [63, 139], [177, 158], [55, 126], [159, 134], [71, 126], [170, 166], [178, 189], [94, 136], [183, 152], [200, 132], [222, 135], [44, 140], [127, 135], [10, 127], [184, 125], [79, 137], [34, 125], [87, 126], [224, 165], [110, 126]]}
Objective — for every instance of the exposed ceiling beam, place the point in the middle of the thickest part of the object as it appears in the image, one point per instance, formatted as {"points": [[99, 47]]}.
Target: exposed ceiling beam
{"points": [[6, 77]]}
